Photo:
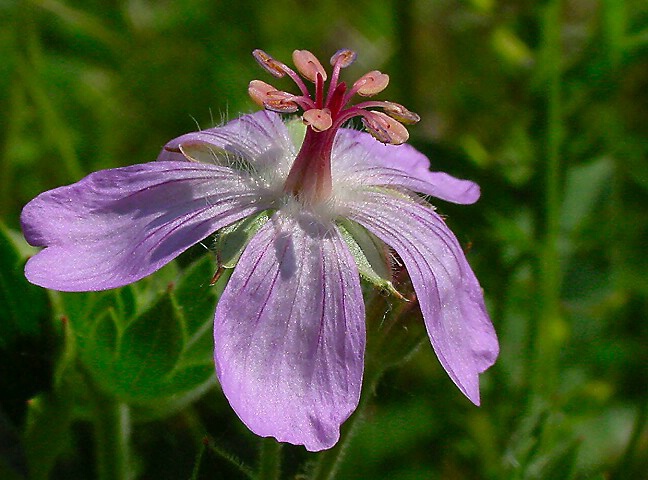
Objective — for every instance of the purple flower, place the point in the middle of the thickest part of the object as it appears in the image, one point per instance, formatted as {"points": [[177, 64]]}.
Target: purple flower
{"points": [[318, 209]]}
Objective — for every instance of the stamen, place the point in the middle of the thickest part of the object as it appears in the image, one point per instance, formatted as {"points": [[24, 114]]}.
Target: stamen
{"points": [[308, 65], [343, 58], [318, 120], [400, 113], [259, 91], [269, 64], [267, 96], [384, 128], [319, 90], [310, 177], [280, 105], [371, 83]]}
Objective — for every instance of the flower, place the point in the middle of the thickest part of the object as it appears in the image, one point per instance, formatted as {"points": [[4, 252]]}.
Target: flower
{"points": [[316, 209]]}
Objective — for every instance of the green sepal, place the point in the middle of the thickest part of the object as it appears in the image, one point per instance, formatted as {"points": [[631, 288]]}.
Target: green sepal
{"points": [[232, 240], [370, 254], [296, 131], [203, 152]]}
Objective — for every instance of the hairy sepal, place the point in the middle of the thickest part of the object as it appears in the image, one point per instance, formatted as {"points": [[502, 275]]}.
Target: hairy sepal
{"points": [[370, 254]]}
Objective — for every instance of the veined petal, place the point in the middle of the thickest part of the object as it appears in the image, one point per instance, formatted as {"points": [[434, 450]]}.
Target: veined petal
{"points": [[289, 333], [260, 139], [450, 297], [116, 226], [359, 159]]}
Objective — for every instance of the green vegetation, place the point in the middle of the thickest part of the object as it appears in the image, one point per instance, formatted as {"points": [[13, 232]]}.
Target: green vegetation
{"points": [[543, 103]]}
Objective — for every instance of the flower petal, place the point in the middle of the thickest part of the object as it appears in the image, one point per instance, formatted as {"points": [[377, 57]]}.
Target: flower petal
{"points": [[290, 335], [261, 139], [116, 226], [450, 297], [359, 159]]}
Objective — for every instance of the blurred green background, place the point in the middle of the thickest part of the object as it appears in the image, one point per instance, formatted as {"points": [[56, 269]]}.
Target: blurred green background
{"points": [[544, 104]]}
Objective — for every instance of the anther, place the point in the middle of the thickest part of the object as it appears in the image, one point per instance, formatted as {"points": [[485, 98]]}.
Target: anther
{"points": [[384, 128], [280, 105], [269, 97], [259, 91], [318, 120], [272, 66], [308, 65], [343, 58], [371, 83], [400, 113]]}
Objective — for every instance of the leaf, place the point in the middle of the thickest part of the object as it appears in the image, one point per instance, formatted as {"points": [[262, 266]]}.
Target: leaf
{"points": [[149, 349], [160, 358], [584, 186], [24, 306], [195, 297], [48, 432], [562, 462]]}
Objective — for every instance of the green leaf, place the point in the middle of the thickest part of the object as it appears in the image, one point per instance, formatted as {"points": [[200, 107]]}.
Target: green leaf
{"points": [[24, 305], [159, 358], [562, 462], [149, 349], [195, 297], [105, 336], [48, 434], [584, 185]]}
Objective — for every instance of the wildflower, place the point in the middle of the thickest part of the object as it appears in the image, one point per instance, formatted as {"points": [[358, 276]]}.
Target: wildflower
{"points": [[315, 210]]}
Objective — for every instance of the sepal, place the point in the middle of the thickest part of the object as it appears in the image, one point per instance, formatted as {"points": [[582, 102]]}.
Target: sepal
{"points": [[232, 240], [371, 255]]}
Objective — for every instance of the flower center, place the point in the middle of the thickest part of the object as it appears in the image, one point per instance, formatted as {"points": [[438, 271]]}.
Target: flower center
{"points": [[324, 113]]}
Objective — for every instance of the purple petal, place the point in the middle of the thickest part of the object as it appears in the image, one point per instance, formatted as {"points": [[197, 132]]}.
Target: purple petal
{"points": [[368, 162], [289, 333], [450, 297], [260, 138], [116, 226]]}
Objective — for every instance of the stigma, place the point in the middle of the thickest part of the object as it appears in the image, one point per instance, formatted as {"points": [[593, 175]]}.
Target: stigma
{"points": [[324, 111]]}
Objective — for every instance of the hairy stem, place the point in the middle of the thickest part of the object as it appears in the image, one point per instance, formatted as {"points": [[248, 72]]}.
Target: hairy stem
{"points": [[270, 460]]}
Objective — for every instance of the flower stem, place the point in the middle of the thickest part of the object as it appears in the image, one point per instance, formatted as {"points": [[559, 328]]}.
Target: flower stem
{"points": [[329, 461], [112, 433], [270, 460], [550, 327]]}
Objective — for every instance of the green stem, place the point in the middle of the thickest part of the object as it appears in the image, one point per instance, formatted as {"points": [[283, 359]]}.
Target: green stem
{"points": [[385, 349], [199, 456], [270, 460], [112, 434], [329, 461], [550, 326], [232, 460]]}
